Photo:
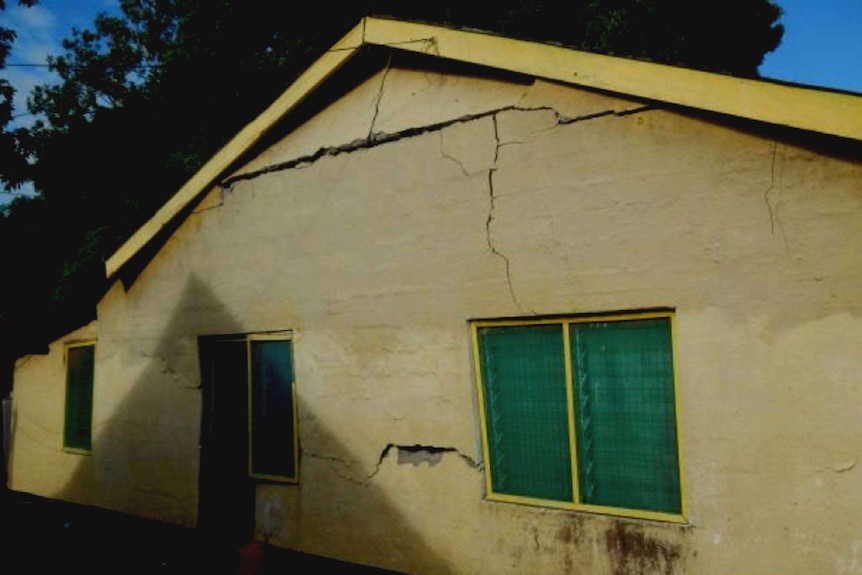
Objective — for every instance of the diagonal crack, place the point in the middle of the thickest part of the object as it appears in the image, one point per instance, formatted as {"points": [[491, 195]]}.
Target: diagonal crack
{"points": [[379, 98], [378, 139], [453, 158], [382, 138], [563, 120], [343, 468], [383, 455]]}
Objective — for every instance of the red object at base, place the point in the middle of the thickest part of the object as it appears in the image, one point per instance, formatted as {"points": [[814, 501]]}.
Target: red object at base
{"points": [[250, 558]]}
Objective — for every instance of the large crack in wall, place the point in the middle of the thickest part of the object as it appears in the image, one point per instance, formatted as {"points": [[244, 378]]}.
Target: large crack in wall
{"points": [[375, 139], [415, 455]]}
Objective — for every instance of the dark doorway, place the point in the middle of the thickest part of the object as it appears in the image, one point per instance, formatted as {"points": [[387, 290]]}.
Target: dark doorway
{"points": [[226, 496]]}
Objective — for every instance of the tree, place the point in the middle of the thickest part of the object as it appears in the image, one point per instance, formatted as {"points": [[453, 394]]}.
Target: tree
{"points": [[14, 169], [12, 156], [730, 36]]}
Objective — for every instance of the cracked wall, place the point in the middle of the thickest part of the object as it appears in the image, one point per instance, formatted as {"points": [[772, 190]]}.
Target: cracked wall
{"points": [[474, 198]]}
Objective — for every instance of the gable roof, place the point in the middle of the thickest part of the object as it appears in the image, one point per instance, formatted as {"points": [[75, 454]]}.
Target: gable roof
{"points": [[818, 110]]}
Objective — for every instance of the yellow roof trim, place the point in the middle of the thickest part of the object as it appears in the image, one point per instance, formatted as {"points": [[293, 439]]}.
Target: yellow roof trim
{"points": [[833, 113]]}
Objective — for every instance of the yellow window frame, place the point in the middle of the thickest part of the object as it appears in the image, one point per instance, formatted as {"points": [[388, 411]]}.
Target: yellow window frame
{"points": [[69, 346], [564, 322], [250, 339]]}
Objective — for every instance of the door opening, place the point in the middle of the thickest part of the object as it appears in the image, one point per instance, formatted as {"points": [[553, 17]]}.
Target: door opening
{"points": [[226, 491]]}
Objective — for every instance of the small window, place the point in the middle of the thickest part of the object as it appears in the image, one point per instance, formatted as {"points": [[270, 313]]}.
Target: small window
{"points": [[78, 422], [580, 413], [273, 445]]}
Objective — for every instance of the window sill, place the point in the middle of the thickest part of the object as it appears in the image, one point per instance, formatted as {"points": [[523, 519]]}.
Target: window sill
{"points": [[656, 516]]}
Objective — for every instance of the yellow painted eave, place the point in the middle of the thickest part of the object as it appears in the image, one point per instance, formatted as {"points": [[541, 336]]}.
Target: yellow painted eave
{"points": [[834, 113]]}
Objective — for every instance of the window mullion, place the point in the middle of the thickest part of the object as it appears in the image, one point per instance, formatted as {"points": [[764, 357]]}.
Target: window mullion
{"points": [[570, 399]]}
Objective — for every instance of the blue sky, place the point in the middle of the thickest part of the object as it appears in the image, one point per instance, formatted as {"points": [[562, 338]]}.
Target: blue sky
{"points": [[822, 43]]}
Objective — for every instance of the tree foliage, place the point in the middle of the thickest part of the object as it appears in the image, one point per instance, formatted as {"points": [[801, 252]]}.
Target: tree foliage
{"points": [[12, 156], [145, 96]]}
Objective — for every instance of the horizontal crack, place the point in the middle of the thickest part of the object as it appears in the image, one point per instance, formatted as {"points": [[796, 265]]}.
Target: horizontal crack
{"points": [[432, 449], [414, 453]]}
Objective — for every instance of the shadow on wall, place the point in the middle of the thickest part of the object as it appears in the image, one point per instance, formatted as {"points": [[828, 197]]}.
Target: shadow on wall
{"points": [[144, 458]]}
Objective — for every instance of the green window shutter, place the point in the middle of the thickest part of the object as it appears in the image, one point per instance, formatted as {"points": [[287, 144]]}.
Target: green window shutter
{"points": [[625, 414], [77, 428], [524, 388], [273, 439]]}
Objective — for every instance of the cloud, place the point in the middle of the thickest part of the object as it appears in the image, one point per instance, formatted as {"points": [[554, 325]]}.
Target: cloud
{"points": [[34, 19], [39, 36]]}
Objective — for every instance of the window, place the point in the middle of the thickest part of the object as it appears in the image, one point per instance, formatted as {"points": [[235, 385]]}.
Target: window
{"points": [[78, 421], [273, 444], [580, 413]]}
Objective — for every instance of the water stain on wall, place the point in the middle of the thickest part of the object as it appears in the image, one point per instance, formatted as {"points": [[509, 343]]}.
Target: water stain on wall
{"points": [[631, 551]]}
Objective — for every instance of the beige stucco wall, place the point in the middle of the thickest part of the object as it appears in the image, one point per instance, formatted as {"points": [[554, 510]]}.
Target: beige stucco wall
{"points": [[378, 255], [38, 463]]}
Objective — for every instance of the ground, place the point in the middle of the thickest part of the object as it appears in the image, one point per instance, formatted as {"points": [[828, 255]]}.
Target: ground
{"points": [[48, 536]]}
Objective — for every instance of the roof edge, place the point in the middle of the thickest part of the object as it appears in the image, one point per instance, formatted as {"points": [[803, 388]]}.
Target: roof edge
{"points": [[824, 111]]}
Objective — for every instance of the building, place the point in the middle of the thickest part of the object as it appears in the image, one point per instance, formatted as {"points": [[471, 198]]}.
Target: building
{"points": [[457, 303]]}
